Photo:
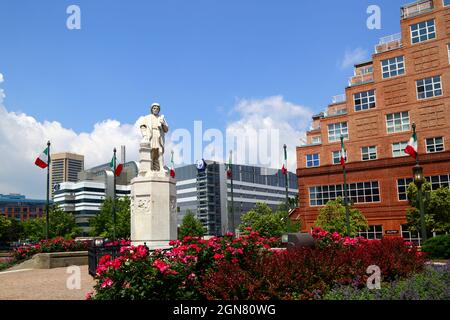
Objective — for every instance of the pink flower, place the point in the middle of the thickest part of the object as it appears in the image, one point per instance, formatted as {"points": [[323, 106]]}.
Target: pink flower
{"points": [[104, 259], [336, 236], [116, 264], [229, 234], [234, 260], [218, 256], [141, 251], [161, 265], [107, 283], [89, 295], [192, 276]]}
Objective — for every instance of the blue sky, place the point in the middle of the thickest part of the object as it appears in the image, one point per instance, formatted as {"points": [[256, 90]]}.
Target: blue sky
{"points": [[233, 64], [195, 57]]}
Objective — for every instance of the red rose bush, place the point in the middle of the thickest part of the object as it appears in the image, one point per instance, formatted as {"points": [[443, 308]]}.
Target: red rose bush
{"points": [[45, 246], [246, 268]]}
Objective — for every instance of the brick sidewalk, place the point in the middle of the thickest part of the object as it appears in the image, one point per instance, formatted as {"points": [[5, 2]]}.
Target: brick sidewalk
{"points": [[39, 284]]}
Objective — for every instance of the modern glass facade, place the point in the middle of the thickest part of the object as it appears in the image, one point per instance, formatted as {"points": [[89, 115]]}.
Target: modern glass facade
{"points": [[208, 194]]}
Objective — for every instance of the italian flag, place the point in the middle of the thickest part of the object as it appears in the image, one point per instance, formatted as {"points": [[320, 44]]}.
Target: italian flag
{"points": [[343, 154], [411, 148], [284, 167], [172, 167], [119, 168], [42, 160], [228, 168]]}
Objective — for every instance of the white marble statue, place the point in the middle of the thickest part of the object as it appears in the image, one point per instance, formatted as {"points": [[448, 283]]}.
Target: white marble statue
{"points": [[153, 191], [153, 129]]}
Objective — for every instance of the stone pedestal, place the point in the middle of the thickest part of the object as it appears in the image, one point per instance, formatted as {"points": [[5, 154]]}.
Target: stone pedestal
{"points": [[153, 205]]}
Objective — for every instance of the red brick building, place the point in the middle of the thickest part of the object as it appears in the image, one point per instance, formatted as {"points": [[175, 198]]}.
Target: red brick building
{"points": [[407, 81]]}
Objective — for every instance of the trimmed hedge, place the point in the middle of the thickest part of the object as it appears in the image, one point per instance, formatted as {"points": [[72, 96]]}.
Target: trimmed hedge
{"points": [[438, 247]]}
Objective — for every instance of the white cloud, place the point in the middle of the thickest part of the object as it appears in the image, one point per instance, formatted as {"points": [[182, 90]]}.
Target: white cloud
{"points": [[22, 138], [272, 114], [1, 78], [353, 57]]}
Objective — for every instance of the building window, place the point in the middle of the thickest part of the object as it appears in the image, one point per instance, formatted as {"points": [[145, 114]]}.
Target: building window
{"points": [[429, 87], [448, 49], [442, 181], [373, 232], [410, 236], [397, 122], [335, 131], [369, 153], [393, 67], [316, 140], [361, 192], [423, 31], [337, 157], [398, 149], [364, 100], [312, 160], [435, 145], [402, 188]]}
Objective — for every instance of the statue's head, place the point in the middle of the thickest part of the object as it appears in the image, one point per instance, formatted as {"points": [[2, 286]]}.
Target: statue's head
{"points": [[155, 108]]}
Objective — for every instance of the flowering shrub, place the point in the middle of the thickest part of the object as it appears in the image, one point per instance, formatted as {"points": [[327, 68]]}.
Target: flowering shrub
{"points": [[244, 268], [308, 273], [53, 245], [176, 273]]}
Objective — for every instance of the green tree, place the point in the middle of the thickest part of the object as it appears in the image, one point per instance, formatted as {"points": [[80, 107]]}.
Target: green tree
{"points": [[332, 218], [436, 207], [14, 232], [5, 225], [190, 226], [293, 202], [102, 224], [61, 224], [268, 223]]}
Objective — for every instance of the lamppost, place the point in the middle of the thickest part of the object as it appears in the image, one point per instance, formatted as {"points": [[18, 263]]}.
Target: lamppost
{"points": [[418, 180]]}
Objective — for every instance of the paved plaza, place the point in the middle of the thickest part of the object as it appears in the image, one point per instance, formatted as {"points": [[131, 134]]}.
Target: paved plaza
{"points": [[42, 284]]}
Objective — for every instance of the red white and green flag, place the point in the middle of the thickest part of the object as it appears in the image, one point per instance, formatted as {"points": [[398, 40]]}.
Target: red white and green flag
{"points": [[119, 168], [284, 169], [172, 167], [43, 159], [228, 167], [343, 154], [411, 148]]}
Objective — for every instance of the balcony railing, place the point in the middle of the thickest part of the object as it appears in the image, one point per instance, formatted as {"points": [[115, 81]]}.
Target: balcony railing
{"points": [[340, 98], [416, 8], [360, 79], [335, 113], [389, 43]]}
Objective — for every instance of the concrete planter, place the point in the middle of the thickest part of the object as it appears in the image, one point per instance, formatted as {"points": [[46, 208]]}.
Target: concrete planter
{"points": [[54, 260]]}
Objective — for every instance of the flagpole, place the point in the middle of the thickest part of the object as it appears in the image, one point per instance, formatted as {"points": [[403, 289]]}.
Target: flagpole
{"points": [[347, 211], [286, 178], [47, 219], [232, 193], [114, 197], [419, 184]]}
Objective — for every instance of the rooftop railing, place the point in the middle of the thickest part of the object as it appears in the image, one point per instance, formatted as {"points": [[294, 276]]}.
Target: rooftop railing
{"points": [[360, 79], [416, 8], [340, 98], [335, 113], [389, 43]]}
